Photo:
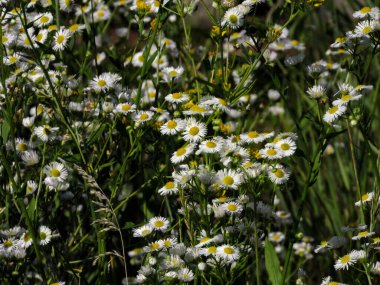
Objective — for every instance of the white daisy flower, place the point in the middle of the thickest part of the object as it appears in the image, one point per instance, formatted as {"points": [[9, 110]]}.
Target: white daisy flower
{"points": [[26, 240], [153, 246], [60, 38], [365, 198], [271, 151], [46, 133], [170, 73], [105, 81], [364, 28], [30, 157], [363, 234], [233, 18], [345, 99], [143, 231], [168, 189], [57, 171], [334, 112], [159, 223], [177, 97], [143, 116], [7, 39], [228, 253], [232, 208], [316, 92], [276, 237], [214, 145], [229, 179], [287, 146], [43, 19], [346, 261], [172, 127], [194, 131], [125, 108], [42, 36], [182, 153], [278, 174], [372, 12], [45, 235], [31, 187], [12, 59], [185, 275]]}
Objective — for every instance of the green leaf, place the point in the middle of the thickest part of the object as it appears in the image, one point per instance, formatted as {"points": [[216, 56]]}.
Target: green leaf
{"points": [[129, 225], [31, 208], [95, 135], [5, 129], [272, 264]]}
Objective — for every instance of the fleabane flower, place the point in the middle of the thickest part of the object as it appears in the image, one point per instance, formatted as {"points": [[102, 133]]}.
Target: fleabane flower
{"points": [[56, 171], [347, 260], [194, 131], [334, 112], [372, 12], [177, 97], [182, 153], [45, 235], [170, 73], [233, 18], [364, 28], [316, 92], [172, 127], [228, 253], [104, 81], [278, 174], [229, 179], [232, 208], [168, 189], [60, 38], [363, 234], [159, 223], [364, 199], [287, 146], [43, 19]]}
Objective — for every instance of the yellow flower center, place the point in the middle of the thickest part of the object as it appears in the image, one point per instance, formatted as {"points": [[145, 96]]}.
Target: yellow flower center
{"points": [[144, 116], [159, 224], [171, 124], [44, 19], [197, 109], [363, 234], [345, 259], [346, 98], [228, 180], [8, 243], [73, 28], [102, 83], [55, 172], [253, 134], [228, 250], [100, 14], [222, 102], [193, 131], [285, 146], [181, 151], [173, 73], [271, 152], [154, 246], [365, 197], [145, 232], [60, 39], [210, 144], [367, 30], [4, 39], [26, 237], [276, 237], [42, 235], [232, 207], [279, 173], [211, 249], [233, 19], [177, 95], [204, 239], [39, 37], [333, 110], [126, 107], [169, 185], [22, 147], [365, 10]]}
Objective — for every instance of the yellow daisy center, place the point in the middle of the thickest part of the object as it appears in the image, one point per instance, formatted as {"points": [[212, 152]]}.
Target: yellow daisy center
{"points": [[363, 234], [228, 180], [333, 110], [144, 116], [367, 29], [253, 134], [204, 239], [177, 95], [365, 10], [285, 146], [102, 83], [211, 249], [154, 246], [210, 144], [271, 152], [171, 124], [232, 207], [73, 28], [345, 259], [60, 39], [228, 250], [233, 19], [44, 19], [126, 107], [365, 197], [8, 243], [181, 151], [55, 172], [22, 147], [169, 185], [279, 173], [159, 224], [194, 131]]}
